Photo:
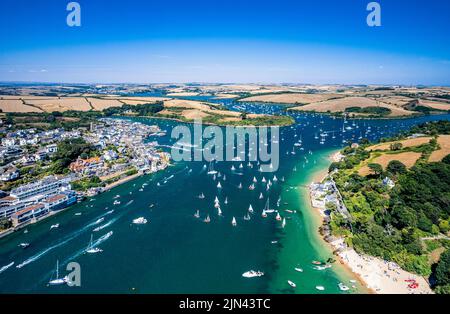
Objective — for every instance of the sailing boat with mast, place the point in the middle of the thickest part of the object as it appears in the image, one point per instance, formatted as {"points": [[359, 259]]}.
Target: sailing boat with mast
{"points": [[233, 222], [267, 207], [57, 281], [91, 249], [211, 170]]}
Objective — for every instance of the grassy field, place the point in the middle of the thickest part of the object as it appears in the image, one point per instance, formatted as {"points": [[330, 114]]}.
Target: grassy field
{"points": [[412, 142], [444, 144], [407, 158]]}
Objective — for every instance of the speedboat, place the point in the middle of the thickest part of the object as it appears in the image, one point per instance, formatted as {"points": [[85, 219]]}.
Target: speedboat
{"points": [[55, 226], [252, 274], [320, 288], [300, 270], [94, 250], [116, 202], [100, 220], [24, 245], [292, 284], [140, 221]]}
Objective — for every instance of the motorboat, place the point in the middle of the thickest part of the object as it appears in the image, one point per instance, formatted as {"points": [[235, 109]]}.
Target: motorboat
{"points": [[140, 221], [252, 274]]}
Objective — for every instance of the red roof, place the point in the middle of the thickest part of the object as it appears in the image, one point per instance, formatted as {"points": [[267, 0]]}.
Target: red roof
{"points": [[55, 198], [28, 209], [8, 198]]}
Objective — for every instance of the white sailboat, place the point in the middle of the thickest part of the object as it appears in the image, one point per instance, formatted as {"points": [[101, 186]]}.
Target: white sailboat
{"points": [[247, 217], [57, 281], [233, 222], [255, 180], [240, 186], [226, 201], [197, 214], [219, 186], [211, 170], [233, 168], [267, 207], [207, 219], [91, 249], [250, 209], [261, 196], [278, 217], [219, 211], [264, 214], [283, 224], [201, 196]]}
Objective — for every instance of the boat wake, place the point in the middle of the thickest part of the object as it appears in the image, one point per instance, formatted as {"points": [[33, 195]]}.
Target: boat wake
{"points": [[63, 242], [109, 223], [6, 267]]}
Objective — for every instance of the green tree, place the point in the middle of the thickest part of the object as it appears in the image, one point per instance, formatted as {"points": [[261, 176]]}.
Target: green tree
{"points": [[396, 167], [376, 169], [396, 146], [442, 272]]}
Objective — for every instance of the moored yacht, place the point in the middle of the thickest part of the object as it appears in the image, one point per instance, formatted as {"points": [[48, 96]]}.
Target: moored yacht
{"points": [[292, 284]]}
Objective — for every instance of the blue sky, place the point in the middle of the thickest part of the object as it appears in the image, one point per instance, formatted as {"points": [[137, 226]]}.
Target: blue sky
{"points": [[321, 41]]}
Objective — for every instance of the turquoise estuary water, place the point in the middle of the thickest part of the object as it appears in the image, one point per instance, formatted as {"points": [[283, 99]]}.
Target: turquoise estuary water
{"points": [[178, 253]]}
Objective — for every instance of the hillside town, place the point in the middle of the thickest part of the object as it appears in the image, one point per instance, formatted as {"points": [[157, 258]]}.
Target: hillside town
{"points": [[38, 179]]}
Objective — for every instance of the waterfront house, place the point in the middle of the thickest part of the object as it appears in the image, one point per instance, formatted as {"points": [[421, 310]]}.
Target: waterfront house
{"points": [[47, 186], [29, 214]]}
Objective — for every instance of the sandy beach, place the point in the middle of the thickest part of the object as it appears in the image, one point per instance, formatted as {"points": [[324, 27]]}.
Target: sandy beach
{"points": [[379, 276]]}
